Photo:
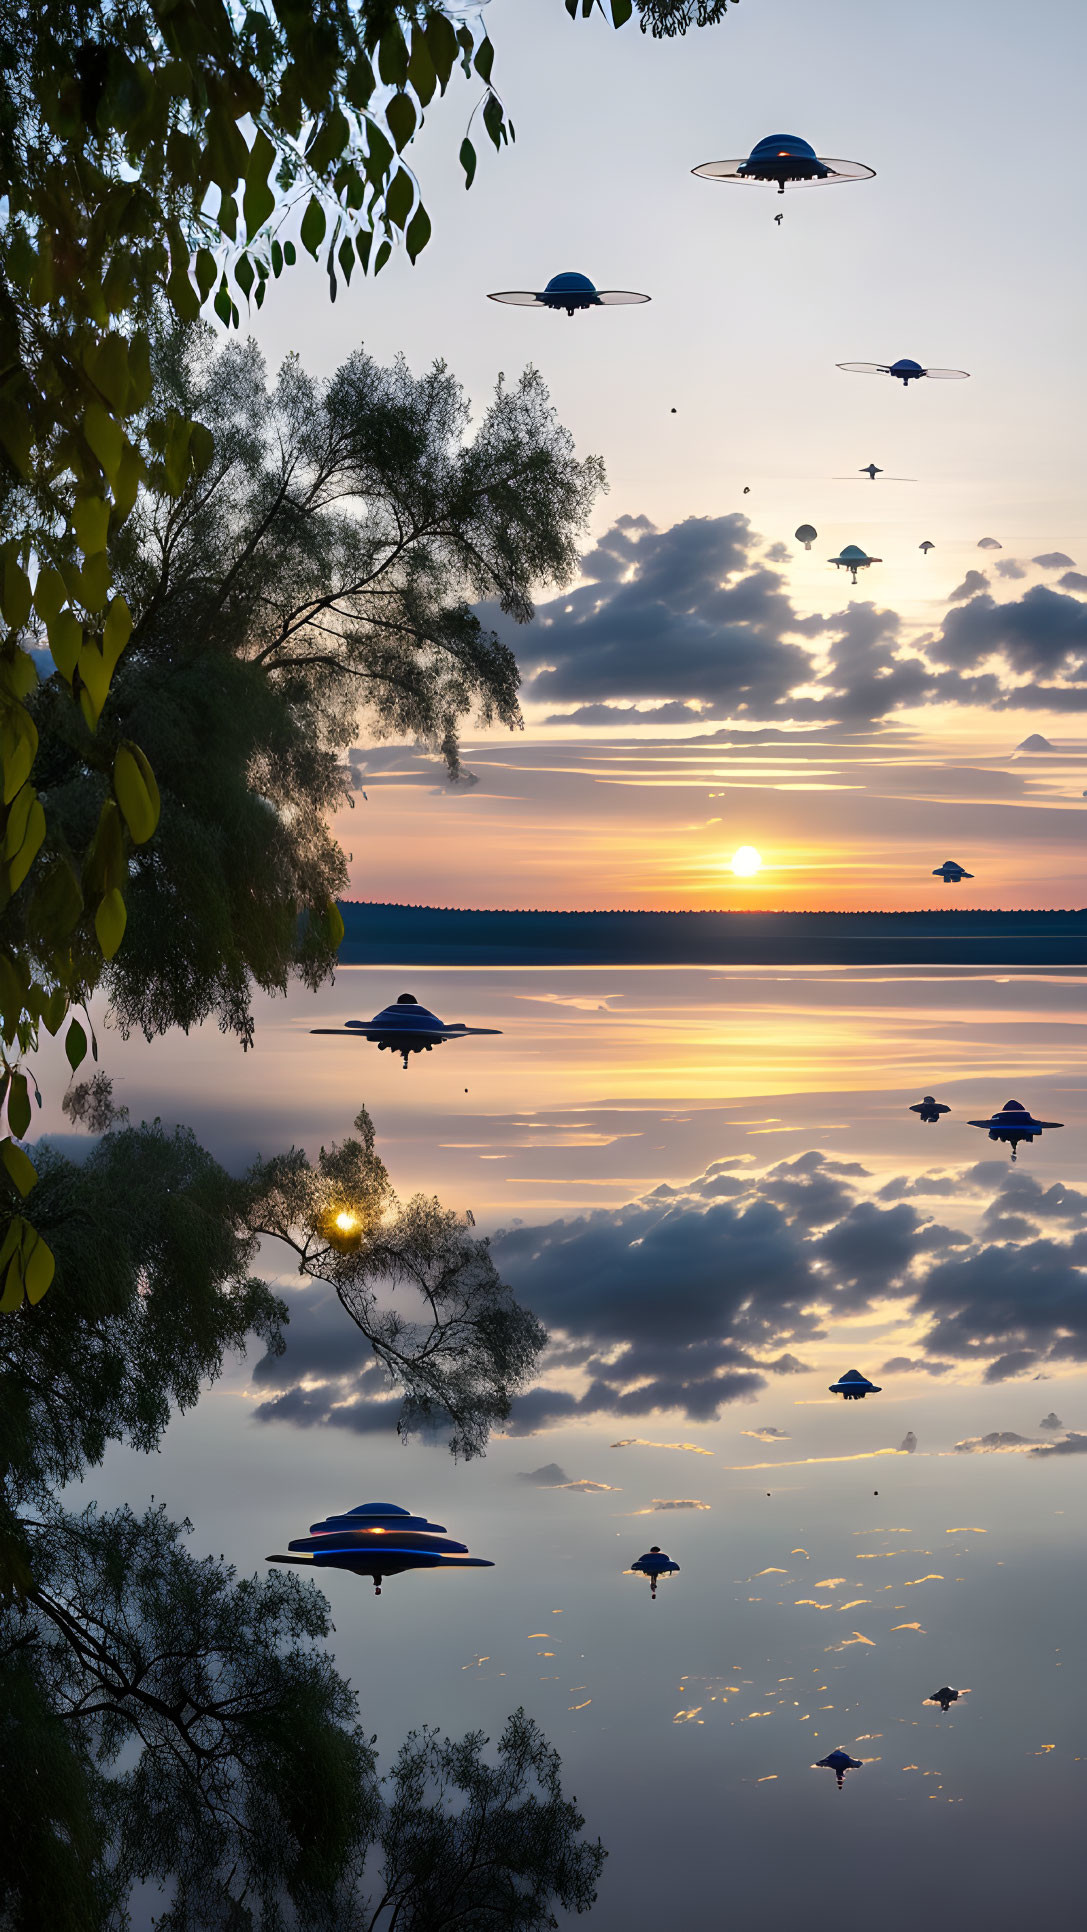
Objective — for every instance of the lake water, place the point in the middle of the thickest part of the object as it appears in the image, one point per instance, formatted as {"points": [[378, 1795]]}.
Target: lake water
{"points": [[710, 1187]]}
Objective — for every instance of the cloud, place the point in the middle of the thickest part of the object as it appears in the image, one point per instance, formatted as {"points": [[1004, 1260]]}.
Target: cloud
{"points": [[548, 1476], [1073, 580], [1007, 567], [997, 1442], [973, 581], [1053, 560], [688, 614], [1051, 1421], [678, 1502], [908, 1442], [914, 1365], [640, 1442], [584, 1487], [1041, 634], [767, 1435], [1074, 1444]]}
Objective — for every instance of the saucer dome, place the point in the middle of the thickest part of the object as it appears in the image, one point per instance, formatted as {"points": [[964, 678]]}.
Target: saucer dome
{"points": [[787, 160], [570, 291]]}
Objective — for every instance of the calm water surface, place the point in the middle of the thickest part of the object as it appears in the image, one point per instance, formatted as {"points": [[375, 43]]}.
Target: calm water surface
{"points": [[668, 1157]]}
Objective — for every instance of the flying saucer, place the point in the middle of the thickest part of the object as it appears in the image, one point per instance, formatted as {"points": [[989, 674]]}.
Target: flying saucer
{"points": [[654, 1564], [405, 1027], [951, 872], [789, 161], [839, 1762], [944, 1697], [904, 371], [929, 1109], [854, 1386], [806, 535], [570, 292], [379, 1540], [872, 470], [989, 543], [1014, 1123], [926, 546], [853, 559]]}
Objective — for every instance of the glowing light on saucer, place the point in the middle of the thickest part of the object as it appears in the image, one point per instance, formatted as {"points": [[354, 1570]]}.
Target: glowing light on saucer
{"points": [[746, 862], [345, 1222]]}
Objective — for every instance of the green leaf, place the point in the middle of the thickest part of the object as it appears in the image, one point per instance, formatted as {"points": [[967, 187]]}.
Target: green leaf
{"points": [[20, 1168], [468, 161], [19, 1108], [314, 223], [15, 593], [136, 792], [621, 11], [289, 253], [400, 119], [494, 119], [39, 1266], [105, 436], [398, 198], [484, 59], [109, 922], [417, 233], [75, 1045], [243, 274], [207, 268], [90, 521], [259, 201]]}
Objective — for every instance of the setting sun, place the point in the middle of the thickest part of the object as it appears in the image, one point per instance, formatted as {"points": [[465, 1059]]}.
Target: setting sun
{"points": [[745, 862]]}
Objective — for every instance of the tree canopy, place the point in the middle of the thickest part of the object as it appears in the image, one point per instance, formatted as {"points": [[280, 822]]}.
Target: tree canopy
{"points": [[321, 569]]}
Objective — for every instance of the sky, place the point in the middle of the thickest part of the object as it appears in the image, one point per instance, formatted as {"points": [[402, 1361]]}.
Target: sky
{"points": [[709, 1184], [895, 708]]}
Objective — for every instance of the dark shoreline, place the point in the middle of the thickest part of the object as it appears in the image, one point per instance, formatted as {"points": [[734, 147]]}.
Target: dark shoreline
{"points": [[378, 935]]}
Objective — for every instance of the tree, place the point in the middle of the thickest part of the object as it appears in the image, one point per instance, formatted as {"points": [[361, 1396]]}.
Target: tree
{"points": [[497, 1862], [462, 1348], [323, 566]]}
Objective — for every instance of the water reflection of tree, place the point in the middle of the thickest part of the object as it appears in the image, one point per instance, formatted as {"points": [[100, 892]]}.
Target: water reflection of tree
{"points": [[164, 1720]]}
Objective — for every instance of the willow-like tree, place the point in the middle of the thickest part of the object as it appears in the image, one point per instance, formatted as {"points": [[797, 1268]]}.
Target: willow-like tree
{"points": [[316, 579]]}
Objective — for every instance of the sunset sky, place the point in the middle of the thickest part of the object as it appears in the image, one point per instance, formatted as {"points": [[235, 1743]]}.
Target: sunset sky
{"points": [[895, 708]]}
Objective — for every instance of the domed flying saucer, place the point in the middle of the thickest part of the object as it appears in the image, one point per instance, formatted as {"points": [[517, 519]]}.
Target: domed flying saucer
{"points": [[929, 1109], [951, 872], [788, 161], [806, 535], [654, 1564], [839, 1762], [1014, 1123], [405, 1027], [853, 558], [571, 292], [905, 371], [926, 546], [379, 1540], [854, 1386]]}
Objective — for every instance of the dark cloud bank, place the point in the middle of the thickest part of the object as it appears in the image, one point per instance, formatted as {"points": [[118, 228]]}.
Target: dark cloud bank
{"points": [[695, 623], [700, 1296]]}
